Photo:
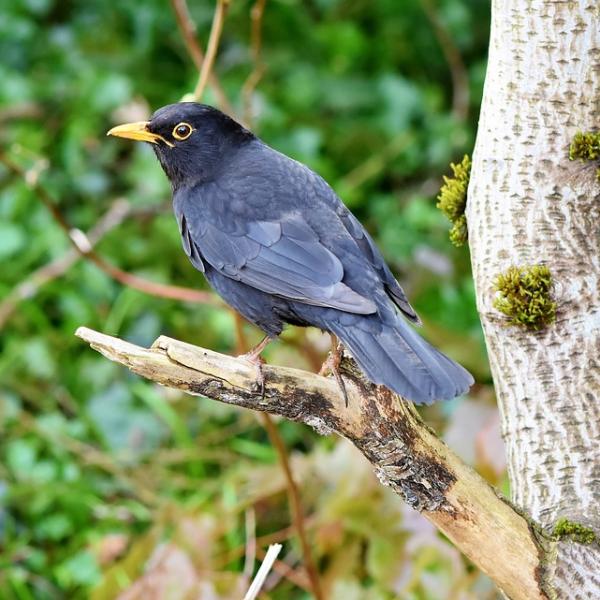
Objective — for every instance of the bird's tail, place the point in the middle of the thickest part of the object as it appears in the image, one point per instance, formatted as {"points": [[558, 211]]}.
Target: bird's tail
{"points": [[400, 359]]}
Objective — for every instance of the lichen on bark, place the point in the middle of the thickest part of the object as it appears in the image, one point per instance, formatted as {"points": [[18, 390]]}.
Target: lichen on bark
{"points": [[575, 532], [523, 295], [585, 146], [452, 199]]}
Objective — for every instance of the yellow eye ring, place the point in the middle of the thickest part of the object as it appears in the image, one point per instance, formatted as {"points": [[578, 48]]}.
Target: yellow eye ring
{"points": [[182, 131]]}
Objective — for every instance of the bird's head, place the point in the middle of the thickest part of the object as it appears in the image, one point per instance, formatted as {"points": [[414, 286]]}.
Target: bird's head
{"points": [[192, 141]]}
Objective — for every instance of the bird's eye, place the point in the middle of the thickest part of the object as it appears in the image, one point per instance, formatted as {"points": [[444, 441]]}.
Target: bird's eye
{"points": [[182, 131]]}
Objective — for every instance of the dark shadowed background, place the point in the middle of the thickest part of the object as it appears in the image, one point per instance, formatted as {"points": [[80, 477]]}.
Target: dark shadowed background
{"points": [[110, 485]]}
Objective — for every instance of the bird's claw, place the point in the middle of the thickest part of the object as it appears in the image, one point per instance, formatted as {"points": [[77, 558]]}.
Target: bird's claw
{"points": [[254, 358], [258, 362]]}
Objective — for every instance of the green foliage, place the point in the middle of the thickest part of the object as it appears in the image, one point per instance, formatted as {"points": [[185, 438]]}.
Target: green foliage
{"points": [[523, 295], [575, 532], [99, 471], [452, 199]]}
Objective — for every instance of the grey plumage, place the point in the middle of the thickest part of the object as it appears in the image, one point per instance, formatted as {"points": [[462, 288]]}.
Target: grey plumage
{"points": [[275, 241]]}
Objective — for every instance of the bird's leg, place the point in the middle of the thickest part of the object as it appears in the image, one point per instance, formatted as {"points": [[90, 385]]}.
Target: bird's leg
{"points": [[332, 364], [253, 356]]}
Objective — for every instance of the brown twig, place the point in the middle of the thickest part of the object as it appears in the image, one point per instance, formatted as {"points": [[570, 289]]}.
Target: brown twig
{"points": [[211, 49], [83, 246], [287, 571], [256, 16], [458, 71], [31, 285], [25, 110], [282, 535], [187, 28], [295, 504]]}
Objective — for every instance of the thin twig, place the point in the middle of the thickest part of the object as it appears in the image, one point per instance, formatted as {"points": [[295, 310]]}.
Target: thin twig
{"points": [[279, 572], [26, 110], [31, 285], [295, 504], [272, 554], [376, 163], [83, 246], [187, 28], [294, 500], [256, 16], [458, 71], [282, 535], [211, 49]]}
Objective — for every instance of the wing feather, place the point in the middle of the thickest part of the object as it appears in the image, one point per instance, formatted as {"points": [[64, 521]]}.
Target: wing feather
{"points": [[371, 252], [283, 258]]}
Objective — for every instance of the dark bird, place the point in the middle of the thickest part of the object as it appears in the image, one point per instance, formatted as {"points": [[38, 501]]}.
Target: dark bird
{"points": [[279, 246]]}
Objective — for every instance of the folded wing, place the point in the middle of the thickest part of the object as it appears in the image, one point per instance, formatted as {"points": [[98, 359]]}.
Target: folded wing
{"points": [[284, 258]]}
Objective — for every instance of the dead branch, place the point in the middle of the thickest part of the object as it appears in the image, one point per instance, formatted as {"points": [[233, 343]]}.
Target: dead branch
{"points": [[405, 453]]}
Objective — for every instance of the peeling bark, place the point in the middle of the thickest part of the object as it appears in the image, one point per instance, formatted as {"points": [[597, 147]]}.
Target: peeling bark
{"points": [[405, 453], [528, 204]]}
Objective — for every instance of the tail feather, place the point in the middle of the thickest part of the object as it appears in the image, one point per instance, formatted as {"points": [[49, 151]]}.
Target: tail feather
{"points": [[400, 359]]}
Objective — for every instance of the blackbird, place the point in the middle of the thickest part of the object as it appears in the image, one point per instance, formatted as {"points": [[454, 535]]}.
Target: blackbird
{"points": [[279, 246]]}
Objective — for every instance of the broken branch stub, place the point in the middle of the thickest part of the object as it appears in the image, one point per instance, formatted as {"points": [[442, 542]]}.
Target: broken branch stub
{"points": [[405, 453]]}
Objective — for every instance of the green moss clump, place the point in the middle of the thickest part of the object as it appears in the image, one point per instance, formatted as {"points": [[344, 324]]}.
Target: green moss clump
{"points": [[574, 531], [523, 295], [452, 200], [585, 146]]}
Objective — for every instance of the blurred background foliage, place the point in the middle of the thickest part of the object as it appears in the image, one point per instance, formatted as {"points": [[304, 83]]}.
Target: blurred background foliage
{"points": [[111, 487]]}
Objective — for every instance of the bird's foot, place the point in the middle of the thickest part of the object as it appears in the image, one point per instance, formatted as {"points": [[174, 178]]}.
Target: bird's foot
{"points": [[332, 365], [254, 358]]}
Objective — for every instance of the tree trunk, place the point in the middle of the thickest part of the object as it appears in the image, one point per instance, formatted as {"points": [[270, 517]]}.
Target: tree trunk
{"points": [[528, 204]]}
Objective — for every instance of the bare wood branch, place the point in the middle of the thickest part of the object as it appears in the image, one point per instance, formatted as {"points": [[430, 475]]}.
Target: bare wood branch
{"points": [[404, 452]]}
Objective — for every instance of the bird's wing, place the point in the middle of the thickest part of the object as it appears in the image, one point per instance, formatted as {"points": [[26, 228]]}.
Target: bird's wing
{"points": [[371, 252], [283, 257]]}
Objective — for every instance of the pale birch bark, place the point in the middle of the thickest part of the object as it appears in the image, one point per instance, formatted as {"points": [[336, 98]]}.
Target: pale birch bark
{"points": [[529, 204]]}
